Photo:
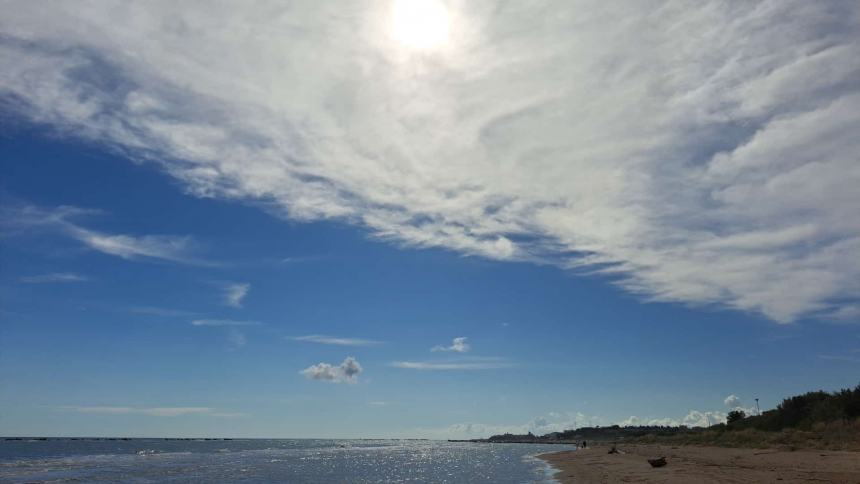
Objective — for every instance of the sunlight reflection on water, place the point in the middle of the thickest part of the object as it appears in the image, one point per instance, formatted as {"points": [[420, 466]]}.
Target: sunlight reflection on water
{"points": [[257, 460]]}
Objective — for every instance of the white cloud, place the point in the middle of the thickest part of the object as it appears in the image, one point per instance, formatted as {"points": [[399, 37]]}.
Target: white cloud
{"points": [[459, 345], [223, 322], [470, 364], [561, 421], [164, 247], [734, 402], [634, 421], [234, 293], [57, 277], [330, 340], [699, 153], [346, 372], [151, 411], [129, 247], [696, 418], [300, 259]]}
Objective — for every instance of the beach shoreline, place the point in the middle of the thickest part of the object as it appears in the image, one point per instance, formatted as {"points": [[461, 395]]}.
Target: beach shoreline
{"points": [[703, 464]]}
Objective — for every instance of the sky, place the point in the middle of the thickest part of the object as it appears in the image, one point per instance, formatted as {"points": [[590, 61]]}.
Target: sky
{"points": [[423, 218]]}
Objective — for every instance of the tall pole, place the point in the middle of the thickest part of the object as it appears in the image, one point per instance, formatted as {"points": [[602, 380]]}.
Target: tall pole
{"points": [[757, 410]]}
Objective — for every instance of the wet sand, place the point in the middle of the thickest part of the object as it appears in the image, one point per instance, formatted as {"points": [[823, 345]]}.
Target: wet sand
{"points": [[687, 464]]}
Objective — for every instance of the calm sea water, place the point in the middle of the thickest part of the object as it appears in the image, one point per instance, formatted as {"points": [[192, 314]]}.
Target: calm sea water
{"points": [[257, 460]]}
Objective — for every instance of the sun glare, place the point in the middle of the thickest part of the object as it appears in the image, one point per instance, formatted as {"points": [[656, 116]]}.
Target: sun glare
{"points": [[420, 24]]}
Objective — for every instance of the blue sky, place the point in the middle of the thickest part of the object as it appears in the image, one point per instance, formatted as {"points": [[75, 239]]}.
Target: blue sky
{"points": [[341, 230], [122, 337]]}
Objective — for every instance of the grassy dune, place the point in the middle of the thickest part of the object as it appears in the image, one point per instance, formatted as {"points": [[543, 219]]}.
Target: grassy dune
{"points": [[836, 435]]}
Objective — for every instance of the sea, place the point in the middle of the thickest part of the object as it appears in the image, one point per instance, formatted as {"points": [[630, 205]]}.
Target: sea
{"points": [[279, 460]]}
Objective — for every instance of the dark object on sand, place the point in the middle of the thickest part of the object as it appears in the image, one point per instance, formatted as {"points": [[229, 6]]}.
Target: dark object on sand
{"points": [[613, 450], [657, 462]]}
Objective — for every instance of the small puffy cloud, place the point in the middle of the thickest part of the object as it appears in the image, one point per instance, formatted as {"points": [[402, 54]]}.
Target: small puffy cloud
{"points": [[346, 372], [234, 293], [54, 277], [732, 401], [459, 345], [330, 340]]}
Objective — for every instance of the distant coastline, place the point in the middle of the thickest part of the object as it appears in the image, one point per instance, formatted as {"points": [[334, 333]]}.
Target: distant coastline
{"points": [[516, 441]]}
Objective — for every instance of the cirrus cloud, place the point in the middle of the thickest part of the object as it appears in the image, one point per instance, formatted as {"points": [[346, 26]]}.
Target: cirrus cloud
{"points": [[477, 363], [223, 322], [700, 154], [20, 217], [54, 277], [331, 340], [151, 411]]}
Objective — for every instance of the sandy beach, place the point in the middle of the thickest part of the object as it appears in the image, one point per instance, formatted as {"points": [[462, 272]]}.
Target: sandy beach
{"points": [[704, 464]]}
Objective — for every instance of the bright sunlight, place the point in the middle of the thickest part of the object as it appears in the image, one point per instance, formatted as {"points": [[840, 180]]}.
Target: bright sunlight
{"points": [[420, 24]]}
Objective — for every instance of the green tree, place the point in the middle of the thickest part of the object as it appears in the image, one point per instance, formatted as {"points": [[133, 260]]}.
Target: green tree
{"points": [[735, 416]]}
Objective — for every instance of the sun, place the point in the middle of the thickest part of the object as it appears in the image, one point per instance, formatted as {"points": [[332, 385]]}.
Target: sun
{"points": [[420, 24]]}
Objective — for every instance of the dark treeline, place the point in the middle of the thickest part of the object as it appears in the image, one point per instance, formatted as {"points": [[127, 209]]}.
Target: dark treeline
{"points": [[804, 411]]}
